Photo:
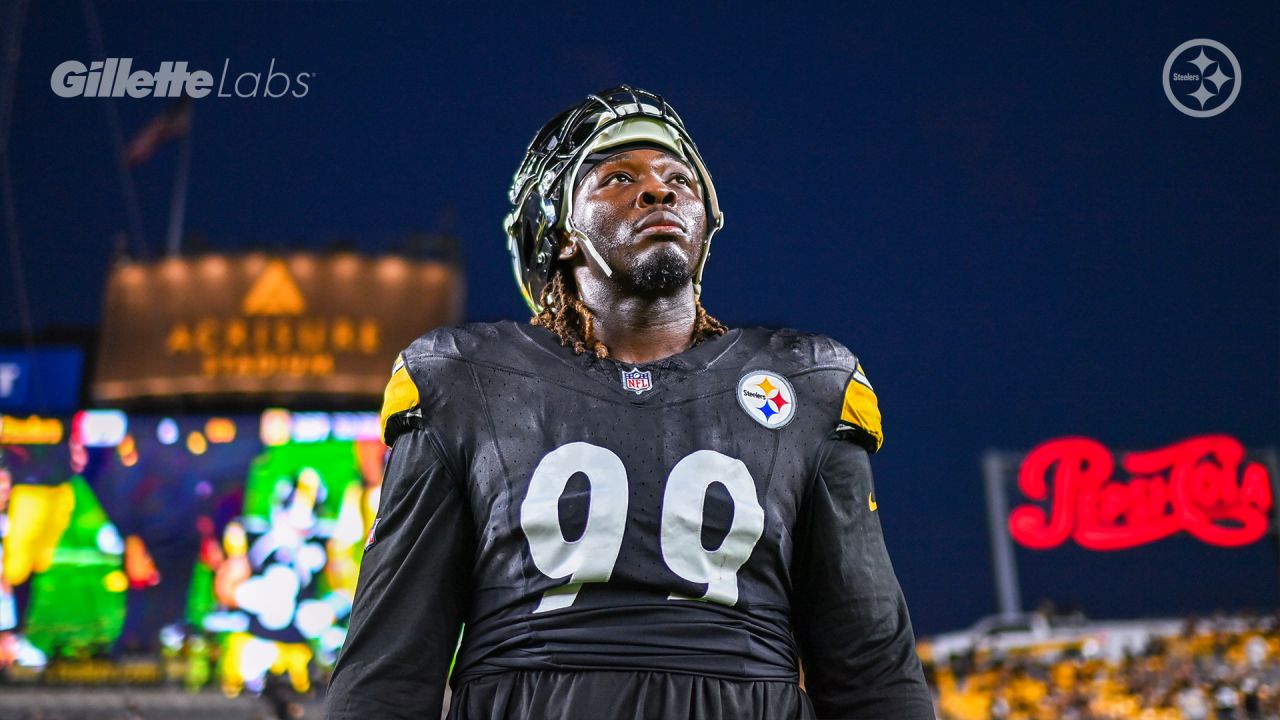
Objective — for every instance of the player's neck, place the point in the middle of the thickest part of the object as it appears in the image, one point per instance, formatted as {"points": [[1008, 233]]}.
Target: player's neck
{"points": [[644, 329]]}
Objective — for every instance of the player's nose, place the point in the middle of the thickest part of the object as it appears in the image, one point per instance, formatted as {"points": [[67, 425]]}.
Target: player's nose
{"points": [[654, 192]]}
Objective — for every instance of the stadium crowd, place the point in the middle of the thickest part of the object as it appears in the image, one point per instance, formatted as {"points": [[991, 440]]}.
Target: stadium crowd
{"points": [[1219, 668]]}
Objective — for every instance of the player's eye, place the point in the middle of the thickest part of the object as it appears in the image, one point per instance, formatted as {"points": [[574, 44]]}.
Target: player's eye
{"points": [[617, 177], [681, 179]]}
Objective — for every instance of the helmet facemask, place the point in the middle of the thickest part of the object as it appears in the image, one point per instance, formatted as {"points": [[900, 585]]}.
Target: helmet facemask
{"points": [[542, 191]]}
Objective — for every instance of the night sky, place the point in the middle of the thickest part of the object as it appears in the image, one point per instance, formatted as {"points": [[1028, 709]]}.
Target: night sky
{"points": [[998, 210]]}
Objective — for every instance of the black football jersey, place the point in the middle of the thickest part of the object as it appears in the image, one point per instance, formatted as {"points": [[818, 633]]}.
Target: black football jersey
{"points": [[709, 514]]}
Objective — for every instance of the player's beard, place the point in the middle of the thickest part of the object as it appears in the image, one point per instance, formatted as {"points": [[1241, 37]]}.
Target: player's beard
{"points": [[661, 272]]}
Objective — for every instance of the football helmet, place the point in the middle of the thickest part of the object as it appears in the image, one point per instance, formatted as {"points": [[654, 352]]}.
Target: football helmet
{"points": [[541, 192]]}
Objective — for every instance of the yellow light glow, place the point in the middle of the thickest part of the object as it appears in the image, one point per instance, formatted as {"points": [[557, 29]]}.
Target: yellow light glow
{"points": [[132, 274], [302, 265], [197, 444], [173, 269], [33, 430], [214, 266], [392, 269], [220, 430], [235, 543], [115, 581], [345, 265], [276, 427]]}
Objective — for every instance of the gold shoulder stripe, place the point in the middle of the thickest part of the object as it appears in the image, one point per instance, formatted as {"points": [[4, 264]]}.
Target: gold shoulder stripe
{"points": [[401, 394], [861, 408]]}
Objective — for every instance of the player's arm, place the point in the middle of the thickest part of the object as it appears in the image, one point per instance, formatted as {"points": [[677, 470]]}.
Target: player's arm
{"points": [[414, 585], [849, 614]]}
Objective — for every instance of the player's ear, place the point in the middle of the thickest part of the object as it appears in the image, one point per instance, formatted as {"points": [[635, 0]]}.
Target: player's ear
{"points": [[568, 247]]}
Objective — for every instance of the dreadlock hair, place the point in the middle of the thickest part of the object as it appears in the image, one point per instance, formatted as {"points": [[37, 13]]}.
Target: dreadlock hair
{"points": [[564, 314]]}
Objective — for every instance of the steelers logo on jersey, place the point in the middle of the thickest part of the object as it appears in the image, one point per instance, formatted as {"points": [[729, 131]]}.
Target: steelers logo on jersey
{"points": [[767, 397]]}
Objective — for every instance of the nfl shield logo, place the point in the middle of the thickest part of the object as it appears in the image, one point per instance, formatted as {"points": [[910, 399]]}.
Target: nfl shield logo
{"points": [[636, 380]]}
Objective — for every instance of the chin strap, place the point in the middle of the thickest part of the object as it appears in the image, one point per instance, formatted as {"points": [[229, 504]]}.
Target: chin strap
{"points": [[577, 236], [706, 252]]}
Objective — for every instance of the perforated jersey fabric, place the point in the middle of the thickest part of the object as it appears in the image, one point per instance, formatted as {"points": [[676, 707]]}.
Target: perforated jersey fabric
{"points": [[665, 540]]}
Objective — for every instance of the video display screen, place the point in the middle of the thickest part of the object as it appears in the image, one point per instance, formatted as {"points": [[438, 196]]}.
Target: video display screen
{"points": [[231, 542]]}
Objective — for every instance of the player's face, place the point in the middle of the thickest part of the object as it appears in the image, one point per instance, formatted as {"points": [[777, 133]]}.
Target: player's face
{"points": [[644, 212]]}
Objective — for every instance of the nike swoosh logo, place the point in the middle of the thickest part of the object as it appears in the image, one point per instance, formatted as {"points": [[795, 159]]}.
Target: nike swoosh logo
{"points": [[871, 503]]}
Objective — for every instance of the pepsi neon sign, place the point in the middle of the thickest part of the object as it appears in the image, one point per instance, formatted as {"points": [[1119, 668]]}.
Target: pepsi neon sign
{"points": [[1204, 486]]}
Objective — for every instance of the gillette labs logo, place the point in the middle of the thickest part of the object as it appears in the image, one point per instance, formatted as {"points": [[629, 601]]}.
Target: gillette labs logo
{"points": [[115, 77]]}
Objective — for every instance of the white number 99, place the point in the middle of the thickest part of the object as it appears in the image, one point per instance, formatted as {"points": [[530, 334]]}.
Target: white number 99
{"points": [[591, 558], [683, 509]]}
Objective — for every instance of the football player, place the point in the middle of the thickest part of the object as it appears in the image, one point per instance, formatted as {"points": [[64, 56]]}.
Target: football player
{"points": [[635, 511]]}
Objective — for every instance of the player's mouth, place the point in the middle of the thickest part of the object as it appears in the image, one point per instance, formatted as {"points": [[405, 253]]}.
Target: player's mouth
{"points": [[661, 222]]}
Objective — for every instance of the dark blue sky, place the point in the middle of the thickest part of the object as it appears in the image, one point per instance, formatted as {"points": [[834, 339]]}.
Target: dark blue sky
{"points": [[998, 210]]}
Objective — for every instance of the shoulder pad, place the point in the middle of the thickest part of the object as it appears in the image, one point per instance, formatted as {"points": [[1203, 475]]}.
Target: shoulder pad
{"points": [[400, 402], [860, 413]]}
